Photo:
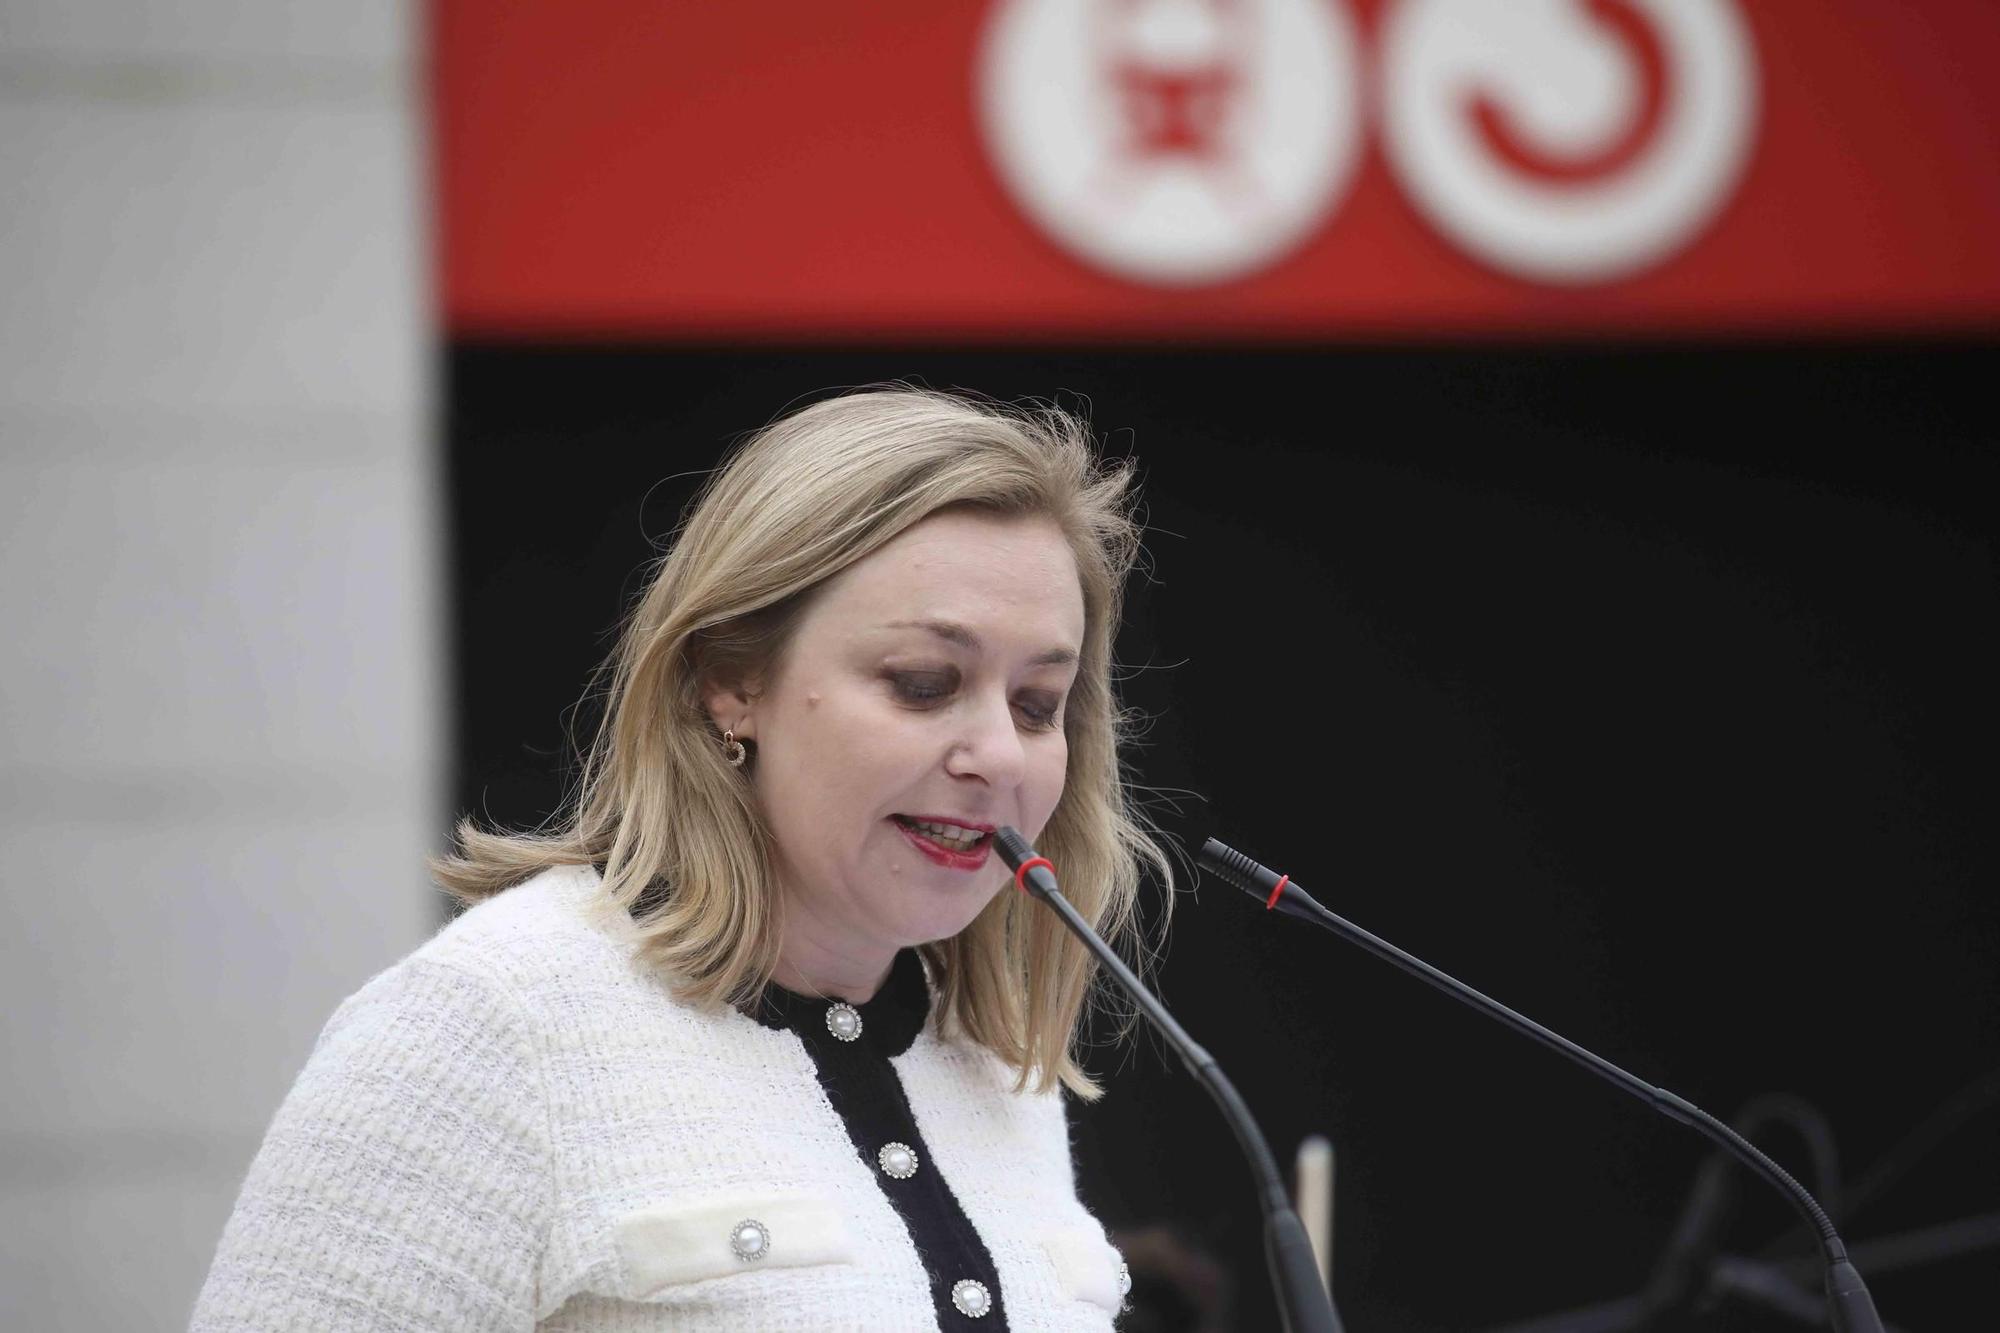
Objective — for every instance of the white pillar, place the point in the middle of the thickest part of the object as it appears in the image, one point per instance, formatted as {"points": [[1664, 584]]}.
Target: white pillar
{"points": [[219, 608]]}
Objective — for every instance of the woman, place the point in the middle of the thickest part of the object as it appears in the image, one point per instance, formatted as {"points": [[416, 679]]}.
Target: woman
{"points": [[761, 1037]]}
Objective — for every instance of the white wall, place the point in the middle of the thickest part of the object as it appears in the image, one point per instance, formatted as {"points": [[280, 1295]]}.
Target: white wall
{"points": [[219, 612]]}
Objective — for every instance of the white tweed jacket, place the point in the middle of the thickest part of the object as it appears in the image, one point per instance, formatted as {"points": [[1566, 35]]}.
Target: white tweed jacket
{"points": [[517, 1127]]}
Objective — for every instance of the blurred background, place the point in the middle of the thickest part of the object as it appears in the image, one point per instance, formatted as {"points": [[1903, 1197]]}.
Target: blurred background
{"points": [[1568, 435]]}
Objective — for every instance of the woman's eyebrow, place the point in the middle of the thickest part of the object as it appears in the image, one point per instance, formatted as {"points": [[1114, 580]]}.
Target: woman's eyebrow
{"points": [[953, 632]]}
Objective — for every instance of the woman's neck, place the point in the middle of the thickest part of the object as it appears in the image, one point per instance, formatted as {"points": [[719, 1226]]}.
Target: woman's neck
{"points": [[811, 967]]}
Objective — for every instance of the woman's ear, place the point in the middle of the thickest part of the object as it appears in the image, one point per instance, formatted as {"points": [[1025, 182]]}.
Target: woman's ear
{"points": [[729, 708]]}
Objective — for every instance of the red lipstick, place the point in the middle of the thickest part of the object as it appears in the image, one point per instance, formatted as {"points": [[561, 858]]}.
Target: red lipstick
{"points": [[946, 856]]}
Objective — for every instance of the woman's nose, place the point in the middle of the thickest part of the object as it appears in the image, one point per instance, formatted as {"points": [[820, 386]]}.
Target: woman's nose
{"points": [[989, 746]]}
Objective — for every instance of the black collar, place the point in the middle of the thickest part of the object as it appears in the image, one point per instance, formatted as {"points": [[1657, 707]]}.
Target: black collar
{"points": [[889, 1022]]}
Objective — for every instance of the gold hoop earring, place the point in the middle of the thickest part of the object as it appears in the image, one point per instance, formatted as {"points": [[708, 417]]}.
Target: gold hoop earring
{"points": [[732, 750]]}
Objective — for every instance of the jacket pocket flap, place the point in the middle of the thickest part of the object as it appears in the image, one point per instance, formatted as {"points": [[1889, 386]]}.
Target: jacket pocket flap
{"points": [[668, 1244], [1087, 1266]]}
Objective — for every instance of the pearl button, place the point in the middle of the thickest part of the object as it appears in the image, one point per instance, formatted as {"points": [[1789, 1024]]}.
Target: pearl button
{"points": [[843, 1021], [971, 1298], [898, 1160], [750, 1240]]}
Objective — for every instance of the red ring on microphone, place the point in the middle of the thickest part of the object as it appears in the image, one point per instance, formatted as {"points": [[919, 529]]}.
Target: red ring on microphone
{"points": [[1029, 863], [1272, 901]]}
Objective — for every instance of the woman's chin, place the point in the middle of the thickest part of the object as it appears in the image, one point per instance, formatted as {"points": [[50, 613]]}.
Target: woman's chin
{"points": [[946, 911]]}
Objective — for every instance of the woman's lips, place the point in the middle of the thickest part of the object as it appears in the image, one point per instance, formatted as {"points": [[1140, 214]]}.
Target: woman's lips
{"points": [[943, 855]]}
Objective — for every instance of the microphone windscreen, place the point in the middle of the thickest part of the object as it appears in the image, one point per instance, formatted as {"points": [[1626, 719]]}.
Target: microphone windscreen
{"points": [[1014, 849], [1233, 867]]}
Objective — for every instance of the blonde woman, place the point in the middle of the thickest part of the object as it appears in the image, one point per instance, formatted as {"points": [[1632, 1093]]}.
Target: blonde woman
{"points": [[762, 1037]]}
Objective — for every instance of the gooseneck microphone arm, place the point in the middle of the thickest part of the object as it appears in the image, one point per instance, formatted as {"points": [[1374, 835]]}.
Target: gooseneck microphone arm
{"points": [[1849, 1306], [1302, 1298]]}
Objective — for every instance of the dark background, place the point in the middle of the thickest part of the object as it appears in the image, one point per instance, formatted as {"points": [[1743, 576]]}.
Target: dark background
{"points": [[1647, 689]]}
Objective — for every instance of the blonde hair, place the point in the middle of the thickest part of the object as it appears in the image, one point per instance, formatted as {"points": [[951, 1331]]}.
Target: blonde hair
{"points": [[658, 808]]}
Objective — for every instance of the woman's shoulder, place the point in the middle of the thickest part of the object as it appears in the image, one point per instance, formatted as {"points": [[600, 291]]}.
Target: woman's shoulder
{"points": [[527, 948], [535, 926]]}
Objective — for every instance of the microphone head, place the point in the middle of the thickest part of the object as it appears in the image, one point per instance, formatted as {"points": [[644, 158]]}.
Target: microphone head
{"points": [[1233, 867], [1033, 872], [1014, 849]]}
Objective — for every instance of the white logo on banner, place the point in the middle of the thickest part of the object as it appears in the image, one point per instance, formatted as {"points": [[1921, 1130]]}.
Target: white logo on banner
{"points": [[1173, 141], [1568, 140]]}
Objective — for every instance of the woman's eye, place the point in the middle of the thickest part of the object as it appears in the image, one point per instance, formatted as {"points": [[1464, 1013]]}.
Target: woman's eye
{"points": [[922, 689], [1041, 716]]}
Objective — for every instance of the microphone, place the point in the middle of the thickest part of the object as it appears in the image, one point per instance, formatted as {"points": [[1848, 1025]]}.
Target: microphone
{"points": [[1849, 1306], [1303, 1299]]}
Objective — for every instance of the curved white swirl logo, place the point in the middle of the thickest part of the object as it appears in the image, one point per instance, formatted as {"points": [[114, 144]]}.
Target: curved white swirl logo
{"points": [[1568, 140], [1172, 141]]}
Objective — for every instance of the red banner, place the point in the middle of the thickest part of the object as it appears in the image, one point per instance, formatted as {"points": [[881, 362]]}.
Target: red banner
{"points": [[1217, 169]]}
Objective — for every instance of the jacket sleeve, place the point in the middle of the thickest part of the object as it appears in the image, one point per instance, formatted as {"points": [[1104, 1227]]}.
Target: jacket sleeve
{"points": [[406, 1180]]}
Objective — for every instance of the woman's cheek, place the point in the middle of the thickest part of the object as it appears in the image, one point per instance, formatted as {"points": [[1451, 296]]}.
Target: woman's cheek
{"points": [[1052, 788]]}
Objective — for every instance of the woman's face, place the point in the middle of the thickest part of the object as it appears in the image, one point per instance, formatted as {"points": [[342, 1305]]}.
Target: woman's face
{"points": [[925, 682]]}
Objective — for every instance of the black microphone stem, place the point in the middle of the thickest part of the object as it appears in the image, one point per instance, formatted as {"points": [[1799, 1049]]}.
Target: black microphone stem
{"points": [[1849, 1305], [1303, 1300]]}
